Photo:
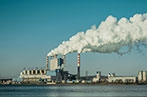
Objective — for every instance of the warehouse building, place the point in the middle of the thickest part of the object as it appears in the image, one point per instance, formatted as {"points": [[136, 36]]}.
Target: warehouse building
{"points": [[34, 75], [121, 79]]}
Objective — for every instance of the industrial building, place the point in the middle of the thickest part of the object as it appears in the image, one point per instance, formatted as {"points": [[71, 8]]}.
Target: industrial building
{"points": [[55, 73], [5, 81], [98, 77], [120, 79], [34, 75], [56, 63]]}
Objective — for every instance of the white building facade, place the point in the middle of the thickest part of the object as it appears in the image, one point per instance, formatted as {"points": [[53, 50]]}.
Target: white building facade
{"points": [[34, 75], [98, 77], [121, 79]]}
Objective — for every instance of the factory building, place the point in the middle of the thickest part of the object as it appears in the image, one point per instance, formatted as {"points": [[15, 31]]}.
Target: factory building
{"points": [[142, 76], [120, 79], [56, 63], [5, 81], [98, 78], [61, 76], [34, 75], [55, 73]]}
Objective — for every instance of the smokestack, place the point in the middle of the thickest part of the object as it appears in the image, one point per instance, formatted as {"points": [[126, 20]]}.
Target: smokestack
{"points": [[78, 67], [63, 59], [46, 62], [63, 62]]}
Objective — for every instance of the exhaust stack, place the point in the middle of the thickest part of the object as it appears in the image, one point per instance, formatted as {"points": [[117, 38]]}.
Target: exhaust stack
{"points": [[63, 65], [78, 67], [63, 59], [46, 62]]}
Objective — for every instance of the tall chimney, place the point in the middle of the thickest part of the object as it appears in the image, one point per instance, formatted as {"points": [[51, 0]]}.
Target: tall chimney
{"points": [[63, 65], [46, 62], [63, 59], [78, 67]]}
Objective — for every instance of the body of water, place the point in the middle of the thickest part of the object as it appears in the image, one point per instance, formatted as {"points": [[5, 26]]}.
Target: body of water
{"points": [[74, 91]]}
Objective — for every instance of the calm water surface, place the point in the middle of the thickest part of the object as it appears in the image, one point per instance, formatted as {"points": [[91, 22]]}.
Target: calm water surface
{"points": [[75, 91]]}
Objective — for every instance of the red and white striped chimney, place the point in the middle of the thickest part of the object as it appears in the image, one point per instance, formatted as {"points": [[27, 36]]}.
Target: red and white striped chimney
{"points": [[78, 59], [47, 62], [78, 67]]}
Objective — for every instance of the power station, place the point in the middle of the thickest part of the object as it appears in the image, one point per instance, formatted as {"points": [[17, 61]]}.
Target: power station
{"points": [[58, 65], [55, 73]]}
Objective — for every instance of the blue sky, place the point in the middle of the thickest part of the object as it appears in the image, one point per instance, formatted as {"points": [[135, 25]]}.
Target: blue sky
{"points": [[29, 29]]}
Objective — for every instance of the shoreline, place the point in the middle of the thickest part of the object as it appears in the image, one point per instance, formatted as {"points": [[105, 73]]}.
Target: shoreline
{"points": [[52, 84]]}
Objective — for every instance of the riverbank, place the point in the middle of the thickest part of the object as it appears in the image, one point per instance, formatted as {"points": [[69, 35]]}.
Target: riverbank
{"points": [[77, 84]]}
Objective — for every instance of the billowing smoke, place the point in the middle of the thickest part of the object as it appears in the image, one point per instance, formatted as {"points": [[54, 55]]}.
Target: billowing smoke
{"points": [[110, 36]]}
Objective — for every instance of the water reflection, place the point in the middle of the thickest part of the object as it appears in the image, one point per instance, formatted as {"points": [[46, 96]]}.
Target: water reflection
{"points": [[74, 91]]}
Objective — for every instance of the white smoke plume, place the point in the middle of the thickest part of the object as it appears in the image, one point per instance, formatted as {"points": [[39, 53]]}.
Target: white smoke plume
{"points": [[110, 36]]}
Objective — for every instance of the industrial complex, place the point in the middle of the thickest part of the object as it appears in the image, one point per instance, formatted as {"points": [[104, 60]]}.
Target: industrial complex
{"points": [[55, 73]]}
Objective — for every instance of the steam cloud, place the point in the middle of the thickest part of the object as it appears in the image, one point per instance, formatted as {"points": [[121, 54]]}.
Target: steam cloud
{"points": [[110, 36]]}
